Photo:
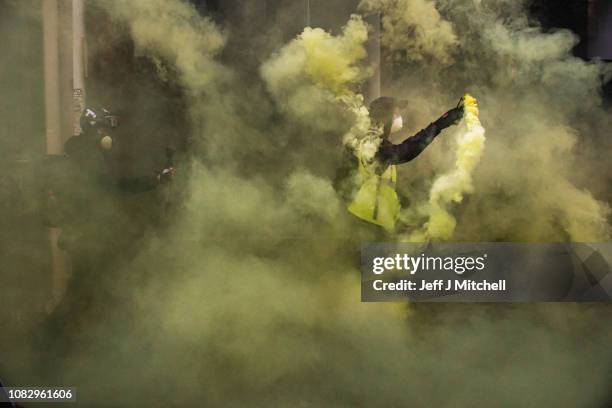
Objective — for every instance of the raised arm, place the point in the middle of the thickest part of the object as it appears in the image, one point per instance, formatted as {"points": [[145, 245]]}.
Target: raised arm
{"points": [[389, 153]]}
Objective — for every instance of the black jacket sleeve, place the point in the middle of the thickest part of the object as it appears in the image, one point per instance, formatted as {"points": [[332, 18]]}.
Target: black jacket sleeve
{"points": [[389, 153]]}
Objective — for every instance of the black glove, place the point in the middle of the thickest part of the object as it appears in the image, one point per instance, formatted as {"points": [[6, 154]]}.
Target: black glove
{"points": [[452, 117]]}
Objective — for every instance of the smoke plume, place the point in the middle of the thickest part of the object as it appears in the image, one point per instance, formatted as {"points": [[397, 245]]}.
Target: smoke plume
{"points": [[415, 27], [536, 100], [450, 188]]}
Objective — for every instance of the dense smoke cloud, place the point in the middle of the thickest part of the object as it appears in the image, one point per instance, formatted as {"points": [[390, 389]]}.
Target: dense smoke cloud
{"points": [[416, 27], [314, 76], [251, 295], [534, 96]]}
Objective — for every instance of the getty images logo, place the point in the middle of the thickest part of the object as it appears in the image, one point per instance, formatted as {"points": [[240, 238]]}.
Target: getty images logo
{"points": [[414, 264]]}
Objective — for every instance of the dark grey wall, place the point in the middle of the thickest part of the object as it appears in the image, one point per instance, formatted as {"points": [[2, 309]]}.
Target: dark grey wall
{"points": [[21, 80], [25, 274]]}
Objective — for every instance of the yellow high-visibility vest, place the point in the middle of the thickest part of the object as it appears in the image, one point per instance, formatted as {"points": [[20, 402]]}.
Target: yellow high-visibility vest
{"points": [[376, 201]]}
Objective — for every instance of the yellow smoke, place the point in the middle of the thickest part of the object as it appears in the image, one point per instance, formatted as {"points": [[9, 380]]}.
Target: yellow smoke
{"points": [[162, 29], [317, 65], [251, 298], [330, 62], [537, 181], [317, 69], [414, 26]]}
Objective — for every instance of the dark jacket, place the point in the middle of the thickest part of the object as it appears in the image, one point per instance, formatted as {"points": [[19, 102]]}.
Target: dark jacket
{"points": [[389, 154]]}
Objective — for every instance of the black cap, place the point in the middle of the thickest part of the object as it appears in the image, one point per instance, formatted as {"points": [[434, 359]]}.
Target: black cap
{"points": [[382, 109]]}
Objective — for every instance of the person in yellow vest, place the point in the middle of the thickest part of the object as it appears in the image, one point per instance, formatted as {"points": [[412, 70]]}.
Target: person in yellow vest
{"points": [[371, 191]]}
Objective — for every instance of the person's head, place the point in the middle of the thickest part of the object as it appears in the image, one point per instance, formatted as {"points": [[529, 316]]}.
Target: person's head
{"points": [[99, 123], [386, 112]]}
